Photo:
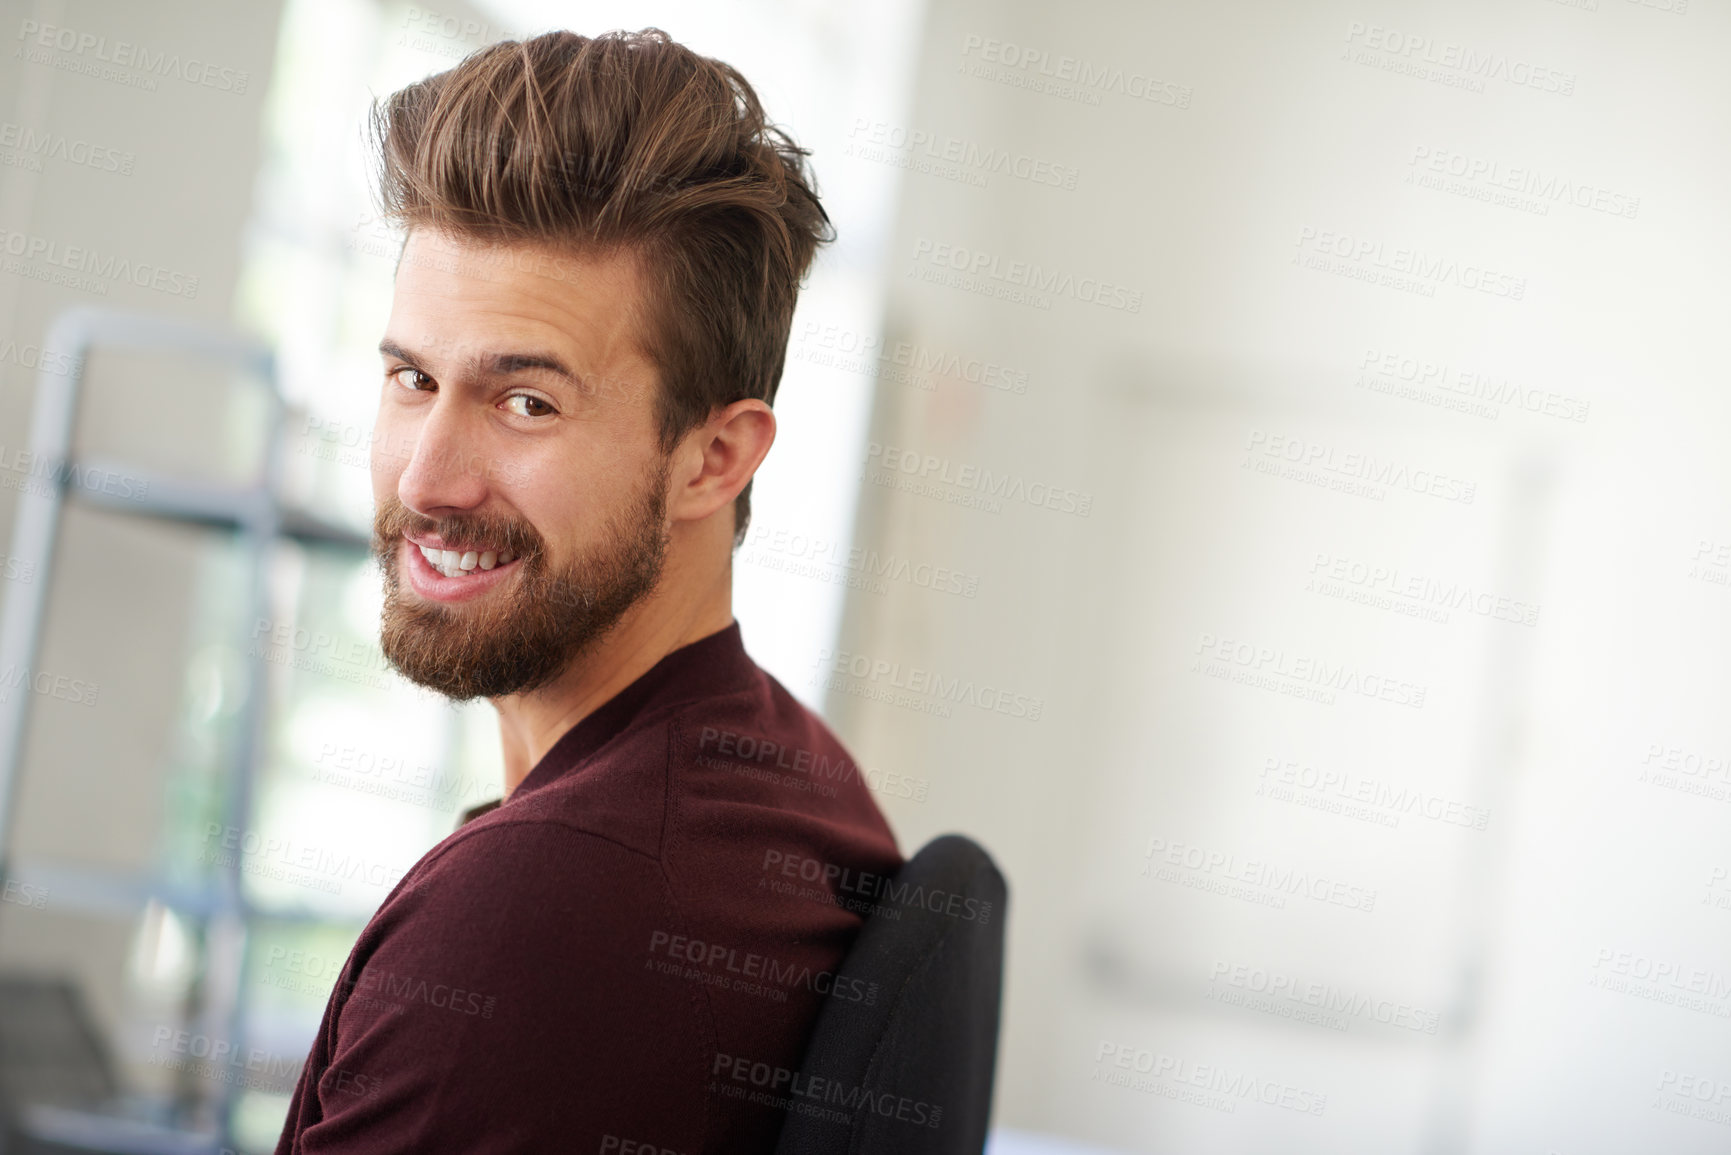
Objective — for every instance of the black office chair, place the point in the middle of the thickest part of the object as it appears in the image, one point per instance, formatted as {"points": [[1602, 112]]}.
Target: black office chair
{"points": [[914, 1066]]}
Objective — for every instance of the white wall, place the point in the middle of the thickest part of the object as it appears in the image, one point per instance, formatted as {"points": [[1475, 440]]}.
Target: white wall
{"points": [[1270, 133]]}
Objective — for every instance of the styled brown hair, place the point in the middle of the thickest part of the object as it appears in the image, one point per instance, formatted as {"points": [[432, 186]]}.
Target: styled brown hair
{"points": [[624, 141]]}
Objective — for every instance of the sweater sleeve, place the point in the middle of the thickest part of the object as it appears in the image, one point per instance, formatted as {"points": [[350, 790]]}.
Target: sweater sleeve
{"points": [[507, 1000]]}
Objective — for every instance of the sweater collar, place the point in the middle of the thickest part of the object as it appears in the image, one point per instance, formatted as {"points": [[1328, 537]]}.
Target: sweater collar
{"points": [[711, 665]]}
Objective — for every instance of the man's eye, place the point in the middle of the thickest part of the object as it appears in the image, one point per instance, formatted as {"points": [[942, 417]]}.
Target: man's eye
{"points": [[415, 380], [528, 401]]}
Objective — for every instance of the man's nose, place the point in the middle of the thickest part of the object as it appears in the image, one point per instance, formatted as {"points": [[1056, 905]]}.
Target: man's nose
{"points": [[447, 470]]}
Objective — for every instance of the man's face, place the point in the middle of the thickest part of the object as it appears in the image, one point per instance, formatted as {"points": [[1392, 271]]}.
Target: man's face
{"points": [[516, 442]]}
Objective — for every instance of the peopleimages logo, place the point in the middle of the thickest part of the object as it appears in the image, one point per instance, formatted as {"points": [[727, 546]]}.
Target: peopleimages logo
{"points": [[925, 686], [1546, 187], [909, 362], [1300, 459], [277, 857], [1160, 1072], [1461, 387], [1270, 668], [1448, 62], [945, 155], [1368, 259], [1286, 781], [1388, 587], [780, 1086], [57, 362], [730, 968], [67, 689], [1215, 870], [930, 469], [1070, 77], [876, 887], [123, 54], [81, 259], [428, 22], [800, 548], [749, 753], [1327, 998], [1694, 1097], [214, 1054], [57, 146], [1662, 980], [980, 271]]}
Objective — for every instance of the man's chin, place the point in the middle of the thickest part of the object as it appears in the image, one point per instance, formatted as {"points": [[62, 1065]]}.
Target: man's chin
{"points": [[494, 647], [465, 681]]}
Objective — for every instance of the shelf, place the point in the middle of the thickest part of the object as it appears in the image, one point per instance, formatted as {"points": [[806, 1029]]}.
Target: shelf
{"points": [[98, 1132], [96, 890], [209, 504]]}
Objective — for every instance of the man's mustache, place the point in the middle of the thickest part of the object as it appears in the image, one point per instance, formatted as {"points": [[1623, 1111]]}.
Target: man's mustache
{"points": [[395, 522]]}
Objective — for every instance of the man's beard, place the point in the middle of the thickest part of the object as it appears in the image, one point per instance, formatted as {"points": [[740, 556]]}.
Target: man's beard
{"points": [[524, 634]]}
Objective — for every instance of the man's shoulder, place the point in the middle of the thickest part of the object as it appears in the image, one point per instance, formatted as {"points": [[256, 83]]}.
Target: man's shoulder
{"points": [[527, 854], [765, 710], [766, 728], [765, 766]]}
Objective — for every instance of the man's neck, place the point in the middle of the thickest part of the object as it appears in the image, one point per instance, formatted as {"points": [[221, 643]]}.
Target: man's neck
{"points": [[674, 615]]}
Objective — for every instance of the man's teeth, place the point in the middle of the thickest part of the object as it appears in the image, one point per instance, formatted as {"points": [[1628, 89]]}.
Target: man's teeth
{"points": [[453, 564]]}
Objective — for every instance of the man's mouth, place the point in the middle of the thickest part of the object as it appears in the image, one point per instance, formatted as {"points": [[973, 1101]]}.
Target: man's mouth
{"points": [[456, 563], [453, 564]]}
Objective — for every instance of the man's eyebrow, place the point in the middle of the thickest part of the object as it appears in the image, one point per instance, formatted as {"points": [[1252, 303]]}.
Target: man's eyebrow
{"points": [[391, 349], [494, 364], [500, 364]]}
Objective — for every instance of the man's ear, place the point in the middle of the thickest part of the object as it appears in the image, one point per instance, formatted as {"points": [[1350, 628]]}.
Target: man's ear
{"points": [[715, 460]]}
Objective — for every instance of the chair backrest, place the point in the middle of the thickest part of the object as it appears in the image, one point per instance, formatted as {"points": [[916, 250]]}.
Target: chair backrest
{"points": [[912, 1062]]}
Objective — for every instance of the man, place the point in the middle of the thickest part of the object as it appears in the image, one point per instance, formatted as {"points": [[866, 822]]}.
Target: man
{"points": [[591, 312]]}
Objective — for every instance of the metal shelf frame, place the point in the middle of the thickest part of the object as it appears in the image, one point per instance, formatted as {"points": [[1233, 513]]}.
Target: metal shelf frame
{"points": [[254, 512]]}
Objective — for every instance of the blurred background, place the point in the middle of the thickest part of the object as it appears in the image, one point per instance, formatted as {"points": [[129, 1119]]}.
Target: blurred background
{"points": [[1285, 451]]}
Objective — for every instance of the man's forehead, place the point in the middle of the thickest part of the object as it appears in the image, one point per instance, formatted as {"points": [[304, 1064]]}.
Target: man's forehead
{"points": [[472, 298]]}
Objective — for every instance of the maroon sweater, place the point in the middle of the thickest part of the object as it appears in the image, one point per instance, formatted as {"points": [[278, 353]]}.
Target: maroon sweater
{"points": [[605, 962]]}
